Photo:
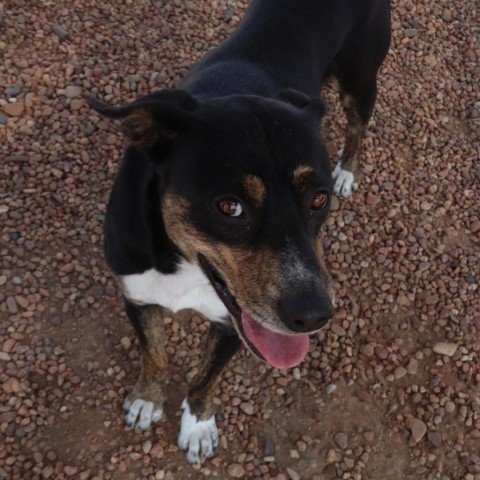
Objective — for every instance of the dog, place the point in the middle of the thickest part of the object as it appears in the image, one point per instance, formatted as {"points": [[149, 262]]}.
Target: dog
{"points": [[221, 194]]}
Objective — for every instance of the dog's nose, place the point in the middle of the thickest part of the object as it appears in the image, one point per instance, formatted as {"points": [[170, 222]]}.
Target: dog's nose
{"points": [[305, 312]]}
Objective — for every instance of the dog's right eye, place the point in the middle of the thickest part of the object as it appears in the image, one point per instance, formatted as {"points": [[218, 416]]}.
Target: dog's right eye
{"points": [[230, 207]]}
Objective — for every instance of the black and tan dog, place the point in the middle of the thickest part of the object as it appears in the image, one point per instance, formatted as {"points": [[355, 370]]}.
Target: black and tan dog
{"points": [[220, 197]]}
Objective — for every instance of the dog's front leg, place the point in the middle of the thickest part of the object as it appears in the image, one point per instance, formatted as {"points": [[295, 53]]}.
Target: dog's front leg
{"points": [[144, 405], [198, 434]]}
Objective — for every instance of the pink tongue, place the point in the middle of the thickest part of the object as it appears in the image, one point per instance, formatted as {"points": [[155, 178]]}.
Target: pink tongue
{"points": [[281, 351]]}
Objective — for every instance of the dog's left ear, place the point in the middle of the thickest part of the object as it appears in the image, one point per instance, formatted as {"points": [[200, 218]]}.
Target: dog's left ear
{"points": [[313, 107], [153, 121]]}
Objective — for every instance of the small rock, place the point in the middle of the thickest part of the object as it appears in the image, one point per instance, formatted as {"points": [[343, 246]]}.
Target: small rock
{"points": [[419, 429], [449, 407], [236, 470], [331, 456], [247, 408], [435, 438], [368, 350], [55, 320], [447, 15], [269, 447], [363, 395], [77, 104], [369, 436], [475, 227], [60, 32], [8, 345], [411, 32], [126, 343], [12, 91], [147, 446], [12, 305], [70, 471], [412, 366], [157, 451], [331, 387], [444, 348], [3, 119], [16, 158], [334, 203], [22, 301], [399, 373], [229, 15], [329, 472], [20, 62], [371, 199], [292, 474], [14, 109], [338, 330], [341, 439], [72, 91], [110, 290], [47, 472], [475, 458]]}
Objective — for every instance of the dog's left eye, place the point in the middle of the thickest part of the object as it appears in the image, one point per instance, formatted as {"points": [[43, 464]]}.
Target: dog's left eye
{"points": [[319, 200], [230, 207]]}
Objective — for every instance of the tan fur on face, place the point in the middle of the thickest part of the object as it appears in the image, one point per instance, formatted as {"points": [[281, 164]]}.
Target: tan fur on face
{"points": [[301, 176], [255, 190], [175, 216], [255, 277], [251, 275], [325, 275]]}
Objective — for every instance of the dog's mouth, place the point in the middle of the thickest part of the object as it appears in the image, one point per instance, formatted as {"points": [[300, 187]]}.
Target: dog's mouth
{"points": [[279, 350]]}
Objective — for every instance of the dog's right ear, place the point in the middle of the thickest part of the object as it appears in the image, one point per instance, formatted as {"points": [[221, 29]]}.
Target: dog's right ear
{"points": [[154, 121]]}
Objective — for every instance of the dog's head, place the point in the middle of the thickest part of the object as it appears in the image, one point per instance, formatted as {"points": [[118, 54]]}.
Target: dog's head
{"points": [[246, 189]]}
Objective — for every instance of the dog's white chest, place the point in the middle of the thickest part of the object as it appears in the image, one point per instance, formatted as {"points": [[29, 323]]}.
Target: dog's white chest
{"points": [[187, 288]]}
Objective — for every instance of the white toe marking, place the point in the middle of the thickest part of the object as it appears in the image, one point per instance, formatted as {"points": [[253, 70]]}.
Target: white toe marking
{"points": [[198, 438], [336, 171], [345, 183], [140, 414], [340, 153]]}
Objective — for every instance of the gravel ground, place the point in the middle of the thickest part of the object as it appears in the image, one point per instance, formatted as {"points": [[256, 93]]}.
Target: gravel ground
{"points": [[390, 389]]}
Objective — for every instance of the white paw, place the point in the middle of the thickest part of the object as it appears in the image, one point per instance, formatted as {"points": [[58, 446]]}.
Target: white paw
{"points": [[345, 183], [198, 438], [140, 414]]}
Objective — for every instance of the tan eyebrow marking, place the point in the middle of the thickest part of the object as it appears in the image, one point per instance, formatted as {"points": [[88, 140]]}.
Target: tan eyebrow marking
{"points": [[301, 175], [254, 189]]}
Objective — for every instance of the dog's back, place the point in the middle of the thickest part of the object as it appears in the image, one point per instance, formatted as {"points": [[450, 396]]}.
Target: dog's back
{"points": [[293, 44]]}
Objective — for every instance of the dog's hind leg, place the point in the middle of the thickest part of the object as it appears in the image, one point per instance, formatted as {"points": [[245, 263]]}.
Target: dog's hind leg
{"points": [[198, 434], [355, 68], [144, 405], [358, 109]]}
